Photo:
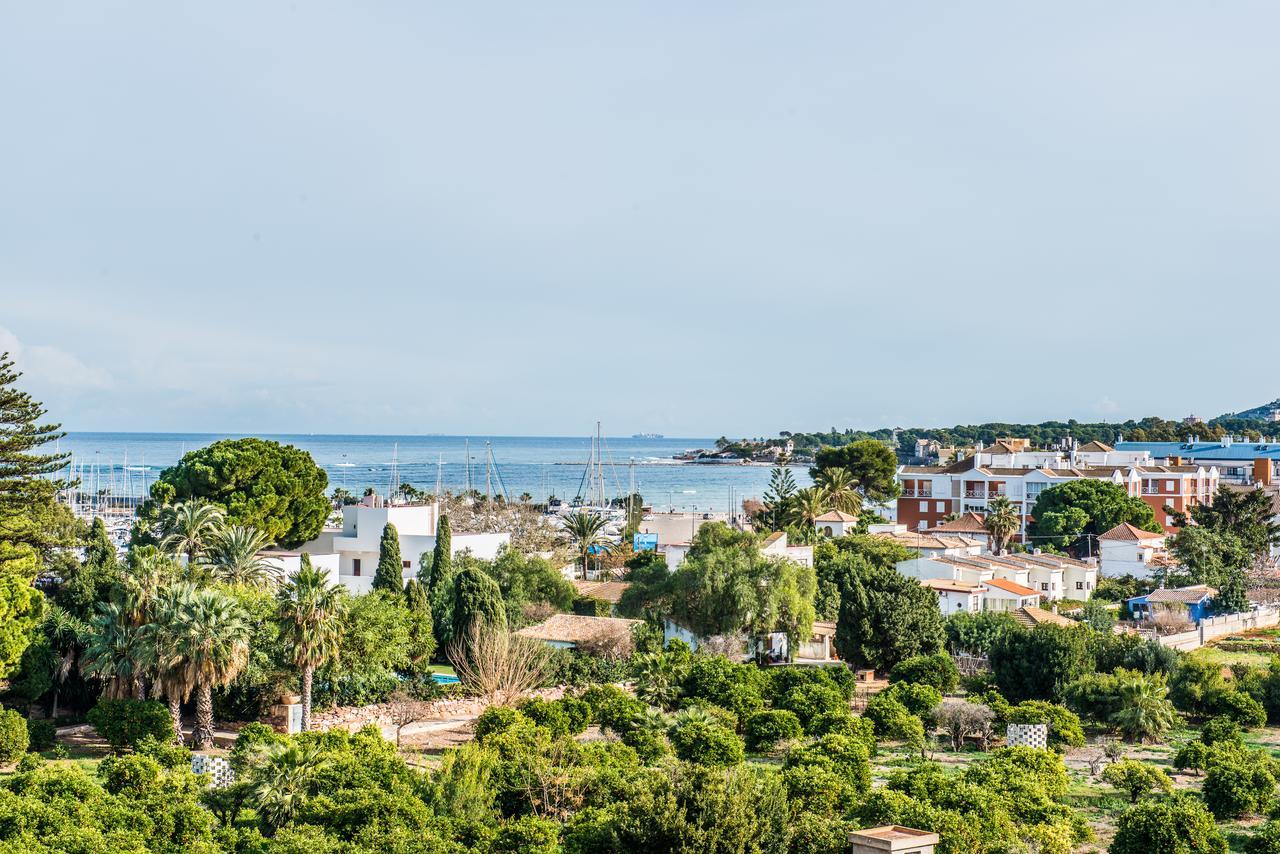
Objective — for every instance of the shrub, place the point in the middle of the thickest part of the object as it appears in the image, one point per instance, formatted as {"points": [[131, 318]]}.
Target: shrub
{"points": [[764, 730], [729, 685], [166, 753], [886, 714], [1221, 730], [844, 756], [124, 723], [133, 776], [550, 716], [1241, 708], [1266, 840], [700, 739], [809, 701], [41, 734], [919, 700], [579, 713], [1235, 786], [1192, 756], [249, 739], [1136, 778], [937, 670], [13, 736], [29, 762], [527, 835], [649, 744], [495, 720], [842, 723], [611, 707], [1178, 824]]}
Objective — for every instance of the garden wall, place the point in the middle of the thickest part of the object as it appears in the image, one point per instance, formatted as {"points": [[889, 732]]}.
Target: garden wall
{"points": [[1221, 626]]}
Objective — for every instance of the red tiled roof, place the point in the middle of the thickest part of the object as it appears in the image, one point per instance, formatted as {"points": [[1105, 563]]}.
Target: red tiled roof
{"points": [[1010, 587], [1128, 533]]}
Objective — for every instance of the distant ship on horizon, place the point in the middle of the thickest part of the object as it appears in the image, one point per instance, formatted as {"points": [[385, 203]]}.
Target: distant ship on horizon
{"points": [[647, 436]]}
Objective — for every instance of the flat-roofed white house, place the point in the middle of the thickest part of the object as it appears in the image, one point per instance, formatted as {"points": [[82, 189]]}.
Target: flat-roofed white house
{"points": [[956, 597], [287, 563], [356, 544]]}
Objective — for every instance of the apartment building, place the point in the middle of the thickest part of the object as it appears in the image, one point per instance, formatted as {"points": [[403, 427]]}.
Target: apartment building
{"points": [[930, 494], [1051, 577]]}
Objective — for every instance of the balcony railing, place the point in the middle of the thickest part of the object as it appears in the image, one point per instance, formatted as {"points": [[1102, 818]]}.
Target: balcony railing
{"points": [[912, 492], [984, 494]]}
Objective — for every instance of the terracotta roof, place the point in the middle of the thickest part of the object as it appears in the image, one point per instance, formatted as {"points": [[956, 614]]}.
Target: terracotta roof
{"points": [[1128, 533], [1010, 587], [773, 538], [823, 628], [609, 591], [969, 523], [1186, 595], [928, 541], [1032, 617], [1000, 447], [574, 628], [836, 516], [1097, 447], [924, 469]]}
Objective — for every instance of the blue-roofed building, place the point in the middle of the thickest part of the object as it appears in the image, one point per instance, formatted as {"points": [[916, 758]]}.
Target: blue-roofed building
{"points": [[1195, 601], [1243, 463]]}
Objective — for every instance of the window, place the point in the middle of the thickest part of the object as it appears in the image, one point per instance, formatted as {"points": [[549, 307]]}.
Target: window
{"points": [[1044, 585], [405, 563], [1079, 585], [942, 507], [355, 566], [924, 506]]}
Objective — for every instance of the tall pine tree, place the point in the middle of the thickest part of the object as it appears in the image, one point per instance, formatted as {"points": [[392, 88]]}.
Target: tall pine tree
{"points": [[390, 574], [31, 522]]}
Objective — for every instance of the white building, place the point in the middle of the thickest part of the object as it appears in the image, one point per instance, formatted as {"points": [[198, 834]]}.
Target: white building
{"points": [[1051, 577], [1127, 550], [355, 546], [1001, 595], [955, 597], [837, 523]]}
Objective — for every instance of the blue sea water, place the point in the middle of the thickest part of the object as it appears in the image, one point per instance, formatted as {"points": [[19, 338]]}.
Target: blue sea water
{"points": [[127, 463]]}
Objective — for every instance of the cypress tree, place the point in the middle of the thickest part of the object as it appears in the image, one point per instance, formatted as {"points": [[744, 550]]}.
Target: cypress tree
{"points": [[477, 601], [100, 551], [442, 555], [390, 574]]}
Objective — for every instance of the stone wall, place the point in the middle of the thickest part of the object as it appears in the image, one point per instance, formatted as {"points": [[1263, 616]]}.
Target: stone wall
{"points": [[353, 718]]}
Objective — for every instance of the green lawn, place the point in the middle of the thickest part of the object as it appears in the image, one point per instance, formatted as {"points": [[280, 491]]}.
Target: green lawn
{"points": [[1226, 659]]}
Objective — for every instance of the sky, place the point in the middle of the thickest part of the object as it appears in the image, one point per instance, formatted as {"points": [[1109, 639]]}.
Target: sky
{"points": [[687, 218]]}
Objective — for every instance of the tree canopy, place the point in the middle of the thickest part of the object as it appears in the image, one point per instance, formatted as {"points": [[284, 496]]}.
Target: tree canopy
{"points": [[871, 464], [1066, 515], [277, 489]]}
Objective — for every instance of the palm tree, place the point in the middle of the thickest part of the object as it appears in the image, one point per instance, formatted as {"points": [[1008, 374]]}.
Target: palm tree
{"points": [[586, 532], [809, 504], [117, 651], [310, 613], [658, 680], [840, 489], [283, 778], [66, 634], [235, 557], [174, 676], [188, 527], [1002, 523], [1145, 712], [211, 638]]}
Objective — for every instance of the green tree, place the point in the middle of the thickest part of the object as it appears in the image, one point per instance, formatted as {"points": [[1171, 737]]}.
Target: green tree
{"points": [[1206, 556], [441, 557], [29, 528], [310, 612], [840, 490], [116, 651], [277, 489], [778, 499], [235, 557], [1144, 713], [212, 639], [390, 572], [1069, 514], [477, 603], [1002, 522], [187, 528], [1231, 598], [175, 678], [1136, 778], [1179, 825], [872, 465], [1245, 515], [1038, 664], [884, 617], [586, 530]]}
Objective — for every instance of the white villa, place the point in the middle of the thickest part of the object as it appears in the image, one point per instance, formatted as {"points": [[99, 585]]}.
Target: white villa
{"points": [[1127, 550], [1050, 577], [351, 553]]}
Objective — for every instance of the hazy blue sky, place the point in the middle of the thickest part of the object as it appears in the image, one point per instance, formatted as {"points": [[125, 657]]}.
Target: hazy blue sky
{"points": [[693, 218]]}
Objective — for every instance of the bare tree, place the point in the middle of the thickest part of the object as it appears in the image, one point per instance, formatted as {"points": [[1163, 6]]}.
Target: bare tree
{"points": [[962, 719], [403, 709], [499, 665]]}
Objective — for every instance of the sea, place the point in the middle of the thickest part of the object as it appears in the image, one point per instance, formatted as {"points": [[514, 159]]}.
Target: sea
{"points": [[124, 465]]}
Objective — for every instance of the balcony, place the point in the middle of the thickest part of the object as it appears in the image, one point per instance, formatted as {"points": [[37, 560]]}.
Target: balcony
{"points": [[984, 495], [908, 492]]}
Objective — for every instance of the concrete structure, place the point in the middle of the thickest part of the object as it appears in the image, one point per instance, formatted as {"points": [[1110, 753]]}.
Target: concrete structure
{"points": [[356, 545], [217, 767], [1237, 462], [893, 839], [1027, 735], [971, 525], [932, 545], [1052, 577], [955, 597], [821, 644], [288, 563], [1001, 595], [1126, 550]]}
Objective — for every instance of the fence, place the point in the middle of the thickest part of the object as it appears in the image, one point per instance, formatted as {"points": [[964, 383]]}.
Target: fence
{"points": [[1211, 628]]}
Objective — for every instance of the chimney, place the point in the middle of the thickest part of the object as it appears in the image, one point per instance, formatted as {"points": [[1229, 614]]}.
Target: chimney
{"points": [[1262, 471]]}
